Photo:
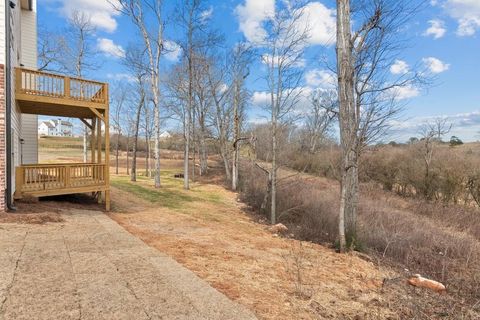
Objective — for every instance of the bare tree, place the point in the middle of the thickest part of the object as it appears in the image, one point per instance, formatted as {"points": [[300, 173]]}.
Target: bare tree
{"points": [[431, 136], [283, 56], [319, 118], [118, 98], [78, 54], [220, 91], [369, 95], [135, 62], [151, 28], [50, 48], [203, 97], [196, 36], [242, 58], [147, 129], [177, 98]]}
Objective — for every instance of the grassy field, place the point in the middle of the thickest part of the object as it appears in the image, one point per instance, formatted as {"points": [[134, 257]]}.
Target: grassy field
{"points": [[60, 149], [171, 195]]}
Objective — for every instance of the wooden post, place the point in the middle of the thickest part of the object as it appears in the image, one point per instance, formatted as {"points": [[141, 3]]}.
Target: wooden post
{"points": [[19, 181], [99, 150], [107, 151], [92, 140], [68, 173], [99, 140], [18, 80], [66, 87]]}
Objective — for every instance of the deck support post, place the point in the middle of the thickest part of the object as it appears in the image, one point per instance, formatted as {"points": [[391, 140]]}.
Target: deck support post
{"points": [[99, 150], [107, 153], [92, 140]]}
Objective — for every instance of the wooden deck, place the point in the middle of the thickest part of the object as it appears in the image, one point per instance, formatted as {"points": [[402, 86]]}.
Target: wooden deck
{"points": [[39, 180], [43, 93]]}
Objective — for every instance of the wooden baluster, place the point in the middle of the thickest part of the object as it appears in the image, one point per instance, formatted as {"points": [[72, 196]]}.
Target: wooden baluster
{"points": [[99, 140], [18, 80], [19, 179], [66, 87]]}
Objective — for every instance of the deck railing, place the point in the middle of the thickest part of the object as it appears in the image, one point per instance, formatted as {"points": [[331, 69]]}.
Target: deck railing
{"points": [[39, 83], [46, 178]]}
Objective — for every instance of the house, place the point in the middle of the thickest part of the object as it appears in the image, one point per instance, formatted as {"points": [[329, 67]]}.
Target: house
{"points": [[46, 128], [165, 135], [58, 128], [26, 93]]}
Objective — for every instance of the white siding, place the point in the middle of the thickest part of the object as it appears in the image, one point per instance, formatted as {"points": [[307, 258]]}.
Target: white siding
{"points": [[29, 39], [15, 114], [30, 139], [2, 32], [28, 58]]}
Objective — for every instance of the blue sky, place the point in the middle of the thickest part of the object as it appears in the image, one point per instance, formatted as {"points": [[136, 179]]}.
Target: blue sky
{"points": [[444, 37]]}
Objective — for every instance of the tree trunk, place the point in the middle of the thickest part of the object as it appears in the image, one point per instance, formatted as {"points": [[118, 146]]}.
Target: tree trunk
{"points": [[194, 145], [235, 168], [117, 147], [186, 152], [351, 189], [228, 173], [133, 174], [147, 157], [128, 159], [188, 123], [236, 137], [273, 190], [202, 150], [347, 124], [156, 119]]}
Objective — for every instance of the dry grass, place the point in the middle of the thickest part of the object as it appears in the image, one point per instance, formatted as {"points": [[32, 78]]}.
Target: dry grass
{"points": [[391, 229], [30, 218], [31, 211]]}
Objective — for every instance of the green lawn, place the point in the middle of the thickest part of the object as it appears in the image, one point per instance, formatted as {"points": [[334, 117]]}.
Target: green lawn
{"points": [[171, 195]]}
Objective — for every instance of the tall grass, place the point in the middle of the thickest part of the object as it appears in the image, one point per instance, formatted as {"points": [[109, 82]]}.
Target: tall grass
{"points": [[409, 236]]}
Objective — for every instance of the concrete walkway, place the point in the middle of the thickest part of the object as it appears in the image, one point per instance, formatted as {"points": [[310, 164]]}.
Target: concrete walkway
{"points": [[91, 268]]}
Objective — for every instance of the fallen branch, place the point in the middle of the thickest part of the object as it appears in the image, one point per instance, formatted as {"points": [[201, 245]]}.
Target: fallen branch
{"points": [[419, 281]]}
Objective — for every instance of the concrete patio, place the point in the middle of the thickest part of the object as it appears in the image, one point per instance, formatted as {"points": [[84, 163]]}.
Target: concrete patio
{"points": [[89, 267]]}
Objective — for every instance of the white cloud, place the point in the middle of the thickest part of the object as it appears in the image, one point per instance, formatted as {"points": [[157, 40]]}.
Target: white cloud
{"points": [[109, 48], [121, 77], [464, 125], [435, 65], [436, 29], [299, 95], [299, 63], [260, 98], [323, 79], [173, 50], [252, 16], [101, 12], [320, 22], [317, 18], [399, 67], [206, 14], [467, 14], [405, 92]]}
